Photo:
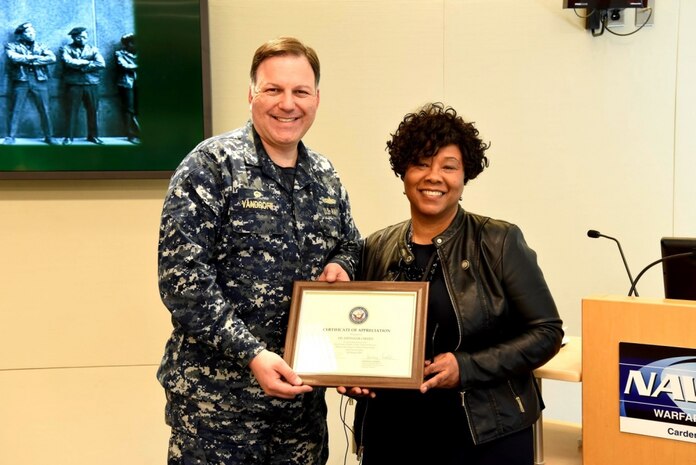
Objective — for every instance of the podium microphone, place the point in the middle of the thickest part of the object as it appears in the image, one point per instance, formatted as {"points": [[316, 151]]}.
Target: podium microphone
{"points": [[595, 234], [663, 259]]}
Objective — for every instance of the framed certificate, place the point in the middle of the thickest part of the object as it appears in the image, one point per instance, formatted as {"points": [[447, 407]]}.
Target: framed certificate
{"points": [[361, 333]]}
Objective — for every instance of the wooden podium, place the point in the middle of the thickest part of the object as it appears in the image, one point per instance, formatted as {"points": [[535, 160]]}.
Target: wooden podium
{"points": [[606, 321]]}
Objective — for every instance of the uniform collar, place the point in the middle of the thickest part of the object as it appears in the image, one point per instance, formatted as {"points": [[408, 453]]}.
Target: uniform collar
{"points": [[259, 157]]}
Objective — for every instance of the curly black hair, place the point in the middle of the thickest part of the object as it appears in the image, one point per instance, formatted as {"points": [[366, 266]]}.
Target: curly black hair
{"points": [[422, 134]]}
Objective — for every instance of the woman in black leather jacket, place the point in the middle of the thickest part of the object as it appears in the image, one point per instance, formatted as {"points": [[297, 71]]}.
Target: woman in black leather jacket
{"points": [[491, 317]]}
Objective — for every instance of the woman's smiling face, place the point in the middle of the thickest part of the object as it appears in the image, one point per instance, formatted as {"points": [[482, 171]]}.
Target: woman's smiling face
{"points": [[434, 185]]}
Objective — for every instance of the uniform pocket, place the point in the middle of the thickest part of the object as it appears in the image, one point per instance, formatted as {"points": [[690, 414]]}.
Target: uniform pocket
{"points": [[252, 236]]}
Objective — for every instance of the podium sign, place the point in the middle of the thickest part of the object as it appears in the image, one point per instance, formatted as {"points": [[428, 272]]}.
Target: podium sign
{"points": [[657, 391]]}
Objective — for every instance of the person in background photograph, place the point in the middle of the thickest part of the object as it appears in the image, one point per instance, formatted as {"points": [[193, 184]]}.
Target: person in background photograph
{"points": [[28, 77], [126, 81], [82, 75], [246, 215], [491, 319]]}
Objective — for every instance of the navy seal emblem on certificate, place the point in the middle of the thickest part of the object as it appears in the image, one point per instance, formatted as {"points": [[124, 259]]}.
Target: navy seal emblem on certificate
{"points": [[358, 315]]}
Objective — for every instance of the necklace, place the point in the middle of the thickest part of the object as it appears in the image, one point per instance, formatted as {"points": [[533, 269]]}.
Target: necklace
{"points": [[413, 272]]}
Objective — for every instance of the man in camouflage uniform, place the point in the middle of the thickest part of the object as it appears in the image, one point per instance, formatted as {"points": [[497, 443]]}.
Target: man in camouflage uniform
{"points": [[246, 214]]}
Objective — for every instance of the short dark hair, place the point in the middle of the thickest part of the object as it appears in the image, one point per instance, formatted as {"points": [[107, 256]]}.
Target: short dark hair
{"points": [[127, 38], [76, 30], [23, 27], [284, 46], [423, 133]]}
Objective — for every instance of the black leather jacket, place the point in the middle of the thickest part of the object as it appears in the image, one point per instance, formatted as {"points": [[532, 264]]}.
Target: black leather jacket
{"points": [[508, 321]]}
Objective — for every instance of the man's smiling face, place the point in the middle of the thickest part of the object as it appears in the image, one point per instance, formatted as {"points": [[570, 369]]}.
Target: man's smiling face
{"points": [[284, 101]]}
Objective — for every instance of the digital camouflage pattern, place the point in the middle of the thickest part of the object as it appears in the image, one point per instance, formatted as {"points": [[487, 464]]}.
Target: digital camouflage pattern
{"points": [[260, 433], [232, 242]]}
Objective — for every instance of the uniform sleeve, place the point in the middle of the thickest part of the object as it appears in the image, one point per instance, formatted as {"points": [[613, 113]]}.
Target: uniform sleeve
{"points": [[47, 57], [186, 255], [124, 61], [44, 57], [347, 252], [70, 61], [14, 56], [96, 61], [535, 330]]}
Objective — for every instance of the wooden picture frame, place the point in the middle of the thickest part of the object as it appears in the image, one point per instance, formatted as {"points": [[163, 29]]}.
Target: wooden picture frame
{"points": [[368, 334]]}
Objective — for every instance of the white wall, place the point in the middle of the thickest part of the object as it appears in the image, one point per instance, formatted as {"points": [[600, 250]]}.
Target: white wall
{"points": [[586, 132]]}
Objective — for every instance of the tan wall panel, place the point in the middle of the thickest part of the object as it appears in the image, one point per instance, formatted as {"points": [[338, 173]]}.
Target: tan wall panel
{"points": [[106, 416], [79, 287]]}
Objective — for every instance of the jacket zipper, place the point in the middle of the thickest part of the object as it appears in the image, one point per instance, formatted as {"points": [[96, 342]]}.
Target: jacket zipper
{"points": [[445, 275], [468, 417], [518, 399]]}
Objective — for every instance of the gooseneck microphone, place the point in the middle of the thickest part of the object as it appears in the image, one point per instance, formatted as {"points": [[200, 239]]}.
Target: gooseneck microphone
{"points": [[595, 234], [663, 259]]}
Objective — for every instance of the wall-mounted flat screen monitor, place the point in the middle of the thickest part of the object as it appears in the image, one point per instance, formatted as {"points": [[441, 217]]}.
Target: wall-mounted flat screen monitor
{"points": [[605, 4], [102, 89], [679, 273]]}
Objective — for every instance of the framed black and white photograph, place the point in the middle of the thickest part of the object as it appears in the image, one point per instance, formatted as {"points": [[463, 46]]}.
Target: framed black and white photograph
{"points": [[107, 89]]}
